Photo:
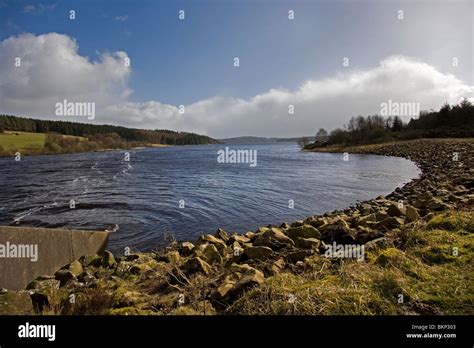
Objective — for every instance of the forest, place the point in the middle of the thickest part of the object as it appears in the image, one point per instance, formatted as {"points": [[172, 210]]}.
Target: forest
{"points": [[449, 122], [69, 137]]}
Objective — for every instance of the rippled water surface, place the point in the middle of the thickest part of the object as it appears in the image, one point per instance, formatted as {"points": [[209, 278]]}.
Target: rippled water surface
{"points": [[143, 196]]}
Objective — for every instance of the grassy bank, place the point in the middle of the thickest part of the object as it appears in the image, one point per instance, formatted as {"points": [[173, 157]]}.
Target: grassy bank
{"points": [[425, 269], [20, 141]]}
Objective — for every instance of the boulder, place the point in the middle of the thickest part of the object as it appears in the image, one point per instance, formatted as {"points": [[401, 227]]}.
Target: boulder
{"points": [[219, 243], [390, 222], [318, 222], [186, 248], [299, 255], [221, 234], [273, 238], [305, 231], [250, 235], [196, 264], [224, 289], [211, 254], [239, 239], [75, 267], [64, 276], [243, 268], [86, 277], [171, 257], [411, 214], [44, 293], [366, 220], [258, 252], [378, 243], [436, 204], [380, 216], [248, 280], [16, 303], [277, 266], [91, 260], [395, 211], [338, 232], [365, 235], [108, 260], [308, 243]]}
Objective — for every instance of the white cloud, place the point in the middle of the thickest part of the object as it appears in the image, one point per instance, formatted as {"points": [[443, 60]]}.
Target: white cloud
{"points": [[53, 70], [121, 18]]}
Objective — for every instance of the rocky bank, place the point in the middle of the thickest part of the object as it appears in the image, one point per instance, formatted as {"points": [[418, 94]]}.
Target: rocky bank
{"points": [[214, 273]]}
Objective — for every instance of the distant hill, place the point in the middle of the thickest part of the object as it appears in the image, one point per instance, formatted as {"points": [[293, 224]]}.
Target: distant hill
{"points": [[261, 140], [159, 136]]}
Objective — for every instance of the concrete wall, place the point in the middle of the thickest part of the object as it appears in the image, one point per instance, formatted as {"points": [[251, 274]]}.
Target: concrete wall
{"points": [[56, 248]]}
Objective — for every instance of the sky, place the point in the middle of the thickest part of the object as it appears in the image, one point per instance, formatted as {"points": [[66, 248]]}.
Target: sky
{"points": [[182, 75]]}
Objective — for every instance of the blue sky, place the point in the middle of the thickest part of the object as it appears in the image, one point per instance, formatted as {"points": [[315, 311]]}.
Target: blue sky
{"points": [[187, 61]]}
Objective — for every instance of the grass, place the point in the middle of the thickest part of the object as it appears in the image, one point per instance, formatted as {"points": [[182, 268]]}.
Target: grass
{"points": [[430, 272], [22, 140]]}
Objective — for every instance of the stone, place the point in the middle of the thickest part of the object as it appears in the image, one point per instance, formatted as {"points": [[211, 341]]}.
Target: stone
{"points": [[250, 235], [308, 243], [223, 290], [277, 266], [394, 210], [108, 260], [380, 216], [378, 243], [64, 276], [258, 252], [273, 238], [248, 280], [366, 220], [219, 243], [91, 260], [296, 256], [436, 204], [337, 232], [75, 267], [243, 268], [45, 293], [211, 254], [240, 239], [221, 234], [365, 235], [366, 209], [390, 222], [196, 264], [411, 214], [171, 257], [305, 231], [16, 303], [186, 248], [86, 277]]}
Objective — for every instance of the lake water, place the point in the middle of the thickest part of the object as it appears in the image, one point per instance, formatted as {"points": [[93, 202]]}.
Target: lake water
{"points": [[185, 192]]}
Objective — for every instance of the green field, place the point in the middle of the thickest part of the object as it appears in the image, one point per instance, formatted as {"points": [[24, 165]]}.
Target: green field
{"points": [[21, 140]]}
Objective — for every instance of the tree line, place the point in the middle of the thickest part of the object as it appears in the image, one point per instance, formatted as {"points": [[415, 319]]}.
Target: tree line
{"points": [[449, 121], [158, 136]]}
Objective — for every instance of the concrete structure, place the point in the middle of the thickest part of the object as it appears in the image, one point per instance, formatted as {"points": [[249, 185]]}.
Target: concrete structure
{"points": [[26, 253]]}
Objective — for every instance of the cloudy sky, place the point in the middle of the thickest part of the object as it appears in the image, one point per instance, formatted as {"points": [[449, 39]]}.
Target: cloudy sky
{"points": [[424, 57]]}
